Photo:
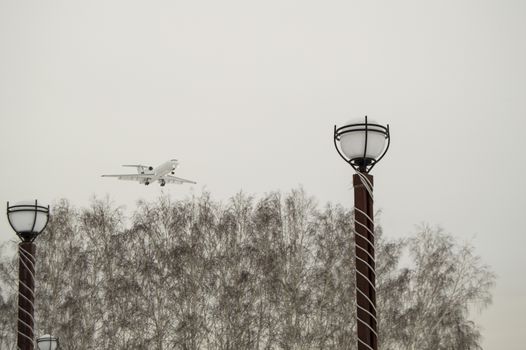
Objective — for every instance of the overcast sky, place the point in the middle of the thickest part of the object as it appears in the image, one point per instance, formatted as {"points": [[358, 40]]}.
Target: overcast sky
{"points": [[245, 94]]}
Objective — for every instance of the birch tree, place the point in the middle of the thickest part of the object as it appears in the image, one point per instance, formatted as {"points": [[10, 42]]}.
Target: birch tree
{"points": [[272, 273]]}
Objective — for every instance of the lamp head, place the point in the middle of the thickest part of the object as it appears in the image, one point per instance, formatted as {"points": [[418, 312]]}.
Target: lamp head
{"points": [[47, 342], [362, 143], [28, 219]]}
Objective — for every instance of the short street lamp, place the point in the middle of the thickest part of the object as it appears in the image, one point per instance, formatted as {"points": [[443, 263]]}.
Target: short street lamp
{"points": [[362, 145], [47, 342], [28, 219]]}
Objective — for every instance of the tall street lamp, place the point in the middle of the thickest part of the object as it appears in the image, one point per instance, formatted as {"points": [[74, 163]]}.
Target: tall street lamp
{"points": [[28, 220], [362, 145]]}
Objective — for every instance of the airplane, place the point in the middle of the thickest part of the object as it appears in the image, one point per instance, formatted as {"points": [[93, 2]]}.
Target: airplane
{"points": [[164, 174]]}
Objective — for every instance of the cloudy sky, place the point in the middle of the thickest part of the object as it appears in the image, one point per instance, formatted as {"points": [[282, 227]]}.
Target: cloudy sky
{"points": [[245, 94]]}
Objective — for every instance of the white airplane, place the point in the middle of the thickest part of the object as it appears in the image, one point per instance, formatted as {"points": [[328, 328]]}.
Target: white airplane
{"points": [[148, 174]]}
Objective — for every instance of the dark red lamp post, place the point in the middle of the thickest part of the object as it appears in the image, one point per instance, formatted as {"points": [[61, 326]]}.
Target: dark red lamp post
{"points": [[28, 220], [362, 145]]}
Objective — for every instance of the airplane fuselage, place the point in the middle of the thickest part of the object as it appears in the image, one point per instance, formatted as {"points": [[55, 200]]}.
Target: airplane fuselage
{"points": [[158, 172]]}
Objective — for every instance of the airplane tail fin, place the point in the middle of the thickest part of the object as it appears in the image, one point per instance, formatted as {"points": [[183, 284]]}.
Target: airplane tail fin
{"points": [[141, 169]]}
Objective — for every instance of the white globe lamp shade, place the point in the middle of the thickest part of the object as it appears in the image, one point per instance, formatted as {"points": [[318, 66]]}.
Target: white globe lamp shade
{"points": [[354, 144], [362, 143], [27, 218], [47, 342]]}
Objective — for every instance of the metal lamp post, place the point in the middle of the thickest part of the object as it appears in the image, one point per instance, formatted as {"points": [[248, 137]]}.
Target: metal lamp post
{"points": [[28, 220], [362, 144], [47, 342]]}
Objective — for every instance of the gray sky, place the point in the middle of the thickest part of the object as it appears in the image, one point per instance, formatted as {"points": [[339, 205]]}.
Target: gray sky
{"points": [[245, 94]]}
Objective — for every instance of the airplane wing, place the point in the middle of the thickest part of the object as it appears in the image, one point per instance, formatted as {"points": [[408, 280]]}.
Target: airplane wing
{"points": [[130, 177], [176, 180]]}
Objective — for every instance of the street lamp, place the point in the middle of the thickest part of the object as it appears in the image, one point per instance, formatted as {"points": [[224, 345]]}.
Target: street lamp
{"points": [[362, 144], [28, 220], [47, 342]]}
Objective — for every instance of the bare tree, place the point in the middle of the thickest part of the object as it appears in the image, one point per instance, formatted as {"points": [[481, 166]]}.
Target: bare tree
{"points": [[276, 273], [8, 300], [445, 281]]}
